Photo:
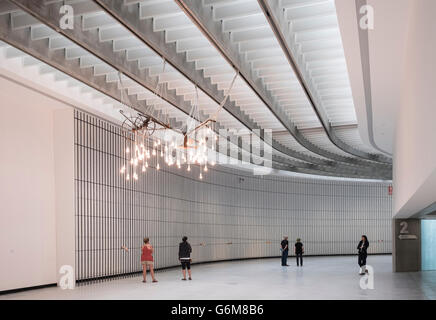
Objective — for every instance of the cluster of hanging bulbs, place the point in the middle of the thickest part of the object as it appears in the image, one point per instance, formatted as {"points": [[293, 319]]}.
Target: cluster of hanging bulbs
{"points": [[141, 147], [141, 150]]}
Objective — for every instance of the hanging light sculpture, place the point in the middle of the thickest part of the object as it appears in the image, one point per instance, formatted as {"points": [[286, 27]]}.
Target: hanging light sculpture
{"points": [[142, 145]]}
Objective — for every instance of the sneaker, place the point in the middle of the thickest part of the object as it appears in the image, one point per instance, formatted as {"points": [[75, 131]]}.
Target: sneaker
{"points": [[190, 278]]}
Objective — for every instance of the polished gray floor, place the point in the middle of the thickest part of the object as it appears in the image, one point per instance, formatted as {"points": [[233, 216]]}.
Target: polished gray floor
{"points": [[320, 278]]}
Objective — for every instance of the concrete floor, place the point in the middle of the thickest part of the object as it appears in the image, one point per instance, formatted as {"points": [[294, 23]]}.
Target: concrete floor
{"points": [[320, 278]]}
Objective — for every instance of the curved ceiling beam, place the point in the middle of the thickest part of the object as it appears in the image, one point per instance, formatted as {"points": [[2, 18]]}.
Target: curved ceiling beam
{"points": [[366, 71], [212, 29], [277, 22], [40, 49]]}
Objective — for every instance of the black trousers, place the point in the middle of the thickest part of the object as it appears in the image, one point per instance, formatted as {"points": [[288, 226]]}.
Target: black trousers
{"points": [[299, 257], [284, 257], [362, 259], [186, 264]]}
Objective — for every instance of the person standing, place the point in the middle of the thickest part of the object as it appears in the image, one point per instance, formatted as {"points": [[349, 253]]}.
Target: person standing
{"points": [[147, 259], [362, 248], [299, 250], [185, 257], [284, 247]]}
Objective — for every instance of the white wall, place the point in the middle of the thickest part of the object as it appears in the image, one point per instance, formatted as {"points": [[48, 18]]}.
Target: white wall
{"points": [[415, 146], [28, 186]]}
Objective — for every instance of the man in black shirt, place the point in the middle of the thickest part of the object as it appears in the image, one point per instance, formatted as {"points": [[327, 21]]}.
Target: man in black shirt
{"points": [[285, 249], [185, 257], [299, 250]]}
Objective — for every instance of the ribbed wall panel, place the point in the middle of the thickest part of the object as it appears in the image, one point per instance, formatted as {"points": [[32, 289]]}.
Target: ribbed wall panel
{"points": [[229, 214]]}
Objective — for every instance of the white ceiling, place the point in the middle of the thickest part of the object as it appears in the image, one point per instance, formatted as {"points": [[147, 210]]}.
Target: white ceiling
{"points": [[317, 47]]}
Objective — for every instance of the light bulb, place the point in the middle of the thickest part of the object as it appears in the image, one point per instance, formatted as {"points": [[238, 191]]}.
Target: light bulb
{"points": [[189, 168], [128, 177], [135, 176], [131, 161], [127, 150], [212, 163], [146, 164], [158, 167], [201, 176], [205, 168], [161, 153], [123, 169], [154, 152], [143, 168]]}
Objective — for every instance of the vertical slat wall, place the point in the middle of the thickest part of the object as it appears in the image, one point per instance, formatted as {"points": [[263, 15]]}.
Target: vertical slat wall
{"points": [[229, 214]]}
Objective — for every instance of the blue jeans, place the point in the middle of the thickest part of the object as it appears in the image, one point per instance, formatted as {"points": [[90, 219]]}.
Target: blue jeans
{"points": [[284, 257]]}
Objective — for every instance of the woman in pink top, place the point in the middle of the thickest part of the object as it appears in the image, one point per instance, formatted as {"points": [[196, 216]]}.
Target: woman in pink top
{"points": [[147, 259]]}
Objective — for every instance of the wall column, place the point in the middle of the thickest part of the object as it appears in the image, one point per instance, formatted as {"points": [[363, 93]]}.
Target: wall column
{"points": [[63, 147], [406, 253]]}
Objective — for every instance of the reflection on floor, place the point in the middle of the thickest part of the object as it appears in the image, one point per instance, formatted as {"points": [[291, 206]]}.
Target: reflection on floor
{"points": [[320, 278]]}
